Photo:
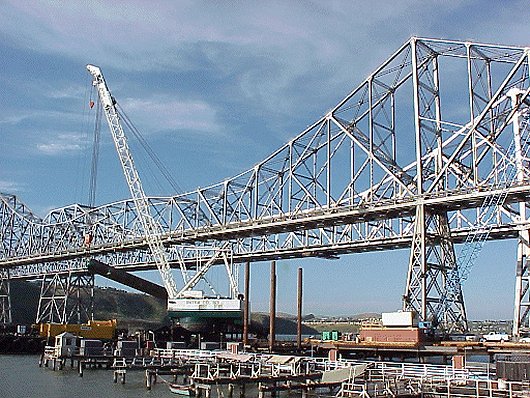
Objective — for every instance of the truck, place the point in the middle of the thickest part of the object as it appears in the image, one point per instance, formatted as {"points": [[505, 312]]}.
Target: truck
{"points": [[496, 337]]}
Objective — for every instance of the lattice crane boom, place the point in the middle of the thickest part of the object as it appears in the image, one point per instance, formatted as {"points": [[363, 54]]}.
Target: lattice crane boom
{"points": [[151, 228], [184, 302]]}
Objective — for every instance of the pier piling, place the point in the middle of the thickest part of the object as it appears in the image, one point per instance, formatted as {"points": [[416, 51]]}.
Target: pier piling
{"points": [[272, 312], [246, 309], [148, 379], [299, 315]]}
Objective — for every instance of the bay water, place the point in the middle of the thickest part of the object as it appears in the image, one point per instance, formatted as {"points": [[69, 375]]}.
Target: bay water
{"points": [[21, 377]]}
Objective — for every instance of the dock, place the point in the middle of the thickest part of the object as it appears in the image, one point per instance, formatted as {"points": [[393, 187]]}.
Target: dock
{"points": [[205, 372]]}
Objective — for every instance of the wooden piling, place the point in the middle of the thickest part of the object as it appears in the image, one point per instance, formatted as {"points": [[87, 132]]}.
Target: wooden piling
{"points": [[299, 317], [148, 379], [246, 309], [272, 312]]}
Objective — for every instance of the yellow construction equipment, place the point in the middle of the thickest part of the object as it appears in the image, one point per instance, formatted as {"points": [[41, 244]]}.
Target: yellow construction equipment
{"points": [[90, 330]]}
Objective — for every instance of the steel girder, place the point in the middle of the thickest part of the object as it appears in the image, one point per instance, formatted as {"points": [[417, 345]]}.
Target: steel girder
{"points": [[429, 128]]}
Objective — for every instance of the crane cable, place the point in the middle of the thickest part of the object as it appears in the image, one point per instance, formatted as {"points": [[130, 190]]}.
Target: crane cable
{"points": [[150, 152], [95, 156]]}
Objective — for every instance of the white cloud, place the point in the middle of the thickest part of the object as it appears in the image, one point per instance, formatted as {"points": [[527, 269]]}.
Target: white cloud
{"points": [[62, 144], [16, 116], [65, 92], [182, 35], [277, 52], [161, 113], [14, 119], [11, 187]]}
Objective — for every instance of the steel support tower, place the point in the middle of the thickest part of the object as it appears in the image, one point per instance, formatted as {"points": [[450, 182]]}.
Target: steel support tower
{"points": [[5, 298], [66, 298]]}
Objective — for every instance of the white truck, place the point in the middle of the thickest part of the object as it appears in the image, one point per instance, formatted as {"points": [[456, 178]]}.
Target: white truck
{"points": [[496, 337]]}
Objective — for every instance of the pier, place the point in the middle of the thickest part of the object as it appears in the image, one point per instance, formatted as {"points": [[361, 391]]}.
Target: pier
{"points": [[205, 372]]}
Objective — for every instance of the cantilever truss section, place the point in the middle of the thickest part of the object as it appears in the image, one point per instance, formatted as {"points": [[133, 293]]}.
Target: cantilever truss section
{"points": [[429, 132]]}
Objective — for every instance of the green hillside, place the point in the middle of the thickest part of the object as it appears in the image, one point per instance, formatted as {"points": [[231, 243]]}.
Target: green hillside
{"points": [[132, 310], [24, 301]]}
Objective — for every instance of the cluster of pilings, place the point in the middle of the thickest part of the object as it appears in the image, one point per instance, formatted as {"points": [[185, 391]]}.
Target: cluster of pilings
{"points": [[272, 307]]}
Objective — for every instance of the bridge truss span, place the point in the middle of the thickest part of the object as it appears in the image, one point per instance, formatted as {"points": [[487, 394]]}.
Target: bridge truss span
{"points": [[407, 159]]}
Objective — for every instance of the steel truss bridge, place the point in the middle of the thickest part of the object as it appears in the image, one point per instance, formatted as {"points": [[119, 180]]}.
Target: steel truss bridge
{"points": [[431, 150]]}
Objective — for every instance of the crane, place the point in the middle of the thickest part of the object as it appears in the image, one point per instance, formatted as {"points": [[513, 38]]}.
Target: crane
{"points": [[150, 226], [186, 302]]}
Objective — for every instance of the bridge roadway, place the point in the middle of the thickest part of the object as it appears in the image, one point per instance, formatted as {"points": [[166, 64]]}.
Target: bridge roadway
{"points": [[381, 211]]}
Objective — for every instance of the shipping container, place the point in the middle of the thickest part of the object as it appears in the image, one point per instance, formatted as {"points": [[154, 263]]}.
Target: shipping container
{"points": [[513, 367], [126, 348], [399, 319], [127, 344], [331, 335], [234, 347]]}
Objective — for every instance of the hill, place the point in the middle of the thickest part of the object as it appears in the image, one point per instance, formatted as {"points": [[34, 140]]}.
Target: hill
{"points": [[285, 324], [132, 310]]}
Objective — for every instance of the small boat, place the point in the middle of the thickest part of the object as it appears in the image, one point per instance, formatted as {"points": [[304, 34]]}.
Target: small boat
{"points": [[182, 390]]}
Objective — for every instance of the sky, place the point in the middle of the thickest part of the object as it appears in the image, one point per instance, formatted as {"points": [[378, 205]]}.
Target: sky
{"points": [[215, 87]]}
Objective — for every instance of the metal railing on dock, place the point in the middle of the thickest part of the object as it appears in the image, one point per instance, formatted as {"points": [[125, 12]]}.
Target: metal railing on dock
{"points": [[272, 373]]}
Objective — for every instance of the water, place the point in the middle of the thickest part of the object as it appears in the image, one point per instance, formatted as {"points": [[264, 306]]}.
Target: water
{"points": [[291, 337], [20, 376]]}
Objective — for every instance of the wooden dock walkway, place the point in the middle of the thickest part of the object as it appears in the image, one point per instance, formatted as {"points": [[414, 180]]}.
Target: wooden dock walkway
{"points": [[271, 374]]}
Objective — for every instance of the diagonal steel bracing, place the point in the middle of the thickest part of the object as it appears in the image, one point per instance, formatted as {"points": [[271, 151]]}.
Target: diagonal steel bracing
{"points": [[5, 298], [407, 159], [432, 258], [66, 298]]}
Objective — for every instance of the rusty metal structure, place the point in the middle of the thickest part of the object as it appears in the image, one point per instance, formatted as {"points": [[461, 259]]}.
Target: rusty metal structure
{"points": [[428, 152]]}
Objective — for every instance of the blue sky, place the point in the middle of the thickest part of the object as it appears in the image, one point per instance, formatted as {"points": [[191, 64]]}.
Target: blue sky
{"points": [[215, 87]]}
